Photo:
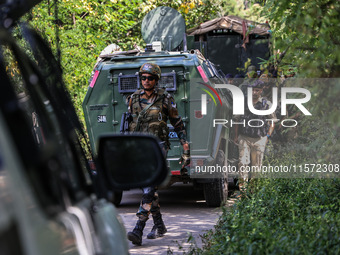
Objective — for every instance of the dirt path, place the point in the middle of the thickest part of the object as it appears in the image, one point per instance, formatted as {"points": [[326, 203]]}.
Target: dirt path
{"points": [[184, 212]]}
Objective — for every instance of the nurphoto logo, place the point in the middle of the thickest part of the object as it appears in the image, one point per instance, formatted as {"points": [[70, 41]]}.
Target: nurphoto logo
{"points": [[239, 104]]}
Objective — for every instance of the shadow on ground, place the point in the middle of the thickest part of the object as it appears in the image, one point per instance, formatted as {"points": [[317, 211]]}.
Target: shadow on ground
{"points": [[184, 212]]}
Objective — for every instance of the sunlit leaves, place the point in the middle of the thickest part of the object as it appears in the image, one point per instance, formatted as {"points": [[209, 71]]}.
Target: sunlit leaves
{"points": [[87, 27], [283, 216], [311, 30]]}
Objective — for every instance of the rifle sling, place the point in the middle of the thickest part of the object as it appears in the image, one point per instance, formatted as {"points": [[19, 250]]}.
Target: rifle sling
{"points": [[144, 111]]}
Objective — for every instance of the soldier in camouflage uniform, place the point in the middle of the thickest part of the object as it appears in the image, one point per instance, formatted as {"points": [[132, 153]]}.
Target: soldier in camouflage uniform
{"points": [[151, 107], [253, 139]]}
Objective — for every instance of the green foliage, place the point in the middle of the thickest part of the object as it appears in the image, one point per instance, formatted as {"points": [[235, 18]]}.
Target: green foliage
{"points": [[86, 27], [309, 32], [285, 216]]}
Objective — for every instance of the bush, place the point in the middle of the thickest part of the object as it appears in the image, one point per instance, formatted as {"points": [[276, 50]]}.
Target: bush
{"points": [[285, 216]]}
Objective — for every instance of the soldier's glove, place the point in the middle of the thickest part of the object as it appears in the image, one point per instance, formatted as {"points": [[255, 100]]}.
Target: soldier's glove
{"points": [[185, 158]]}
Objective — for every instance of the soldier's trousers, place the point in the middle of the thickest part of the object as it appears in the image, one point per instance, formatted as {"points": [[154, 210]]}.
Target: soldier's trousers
{"points": [[149, 204], [150, 200], [251, 151]]}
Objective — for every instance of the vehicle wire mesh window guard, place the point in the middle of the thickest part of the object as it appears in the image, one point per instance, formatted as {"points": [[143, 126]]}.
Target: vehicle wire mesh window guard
{"points": [[168, 81], [128, 83]]}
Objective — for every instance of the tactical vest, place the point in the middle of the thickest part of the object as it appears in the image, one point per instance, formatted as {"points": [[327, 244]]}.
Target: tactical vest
{"points": [[255, 131], [153, 120]]}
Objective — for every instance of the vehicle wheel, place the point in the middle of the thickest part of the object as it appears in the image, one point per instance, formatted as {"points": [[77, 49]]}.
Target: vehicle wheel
{"points": [[116, 197], [216, 192]]}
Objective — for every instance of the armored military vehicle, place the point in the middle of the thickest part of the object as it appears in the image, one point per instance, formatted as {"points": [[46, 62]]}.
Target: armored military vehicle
{"points": [[186, 75]]}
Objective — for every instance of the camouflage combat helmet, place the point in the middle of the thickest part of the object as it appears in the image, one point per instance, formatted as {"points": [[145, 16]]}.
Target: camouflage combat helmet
{"points": [[150, 68]]}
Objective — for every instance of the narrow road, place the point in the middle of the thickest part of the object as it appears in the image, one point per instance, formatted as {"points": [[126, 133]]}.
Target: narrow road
{"points": [[184, 212]]}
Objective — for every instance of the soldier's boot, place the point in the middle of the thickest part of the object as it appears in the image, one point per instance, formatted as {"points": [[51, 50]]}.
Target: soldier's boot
{"points": [[158, 229], [135, 236]]}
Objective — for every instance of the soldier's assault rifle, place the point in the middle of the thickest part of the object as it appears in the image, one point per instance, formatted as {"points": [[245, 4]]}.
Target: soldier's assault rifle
{"points": [[124, 123]]}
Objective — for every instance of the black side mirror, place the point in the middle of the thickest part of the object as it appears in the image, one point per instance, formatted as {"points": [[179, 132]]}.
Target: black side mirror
{"points": [[131, 161]]}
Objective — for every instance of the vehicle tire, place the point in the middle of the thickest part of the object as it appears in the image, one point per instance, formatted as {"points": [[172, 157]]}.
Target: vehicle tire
{"points": [[116, 197], [216, 192]]}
